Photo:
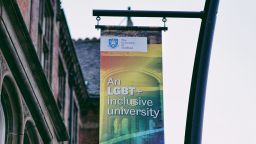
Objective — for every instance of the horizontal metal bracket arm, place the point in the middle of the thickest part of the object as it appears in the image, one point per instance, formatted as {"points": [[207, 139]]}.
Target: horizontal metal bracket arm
{"points": [[142, 13], [137, 28]]}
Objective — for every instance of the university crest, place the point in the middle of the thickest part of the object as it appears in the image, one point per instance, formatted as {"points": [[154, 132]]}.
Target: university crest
{"points": [[113, 42]]}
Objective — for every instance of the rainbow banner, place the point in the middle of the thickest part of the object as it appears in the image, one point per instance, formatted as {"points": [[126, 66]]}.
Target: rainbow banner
{"points": [[131, 91]]}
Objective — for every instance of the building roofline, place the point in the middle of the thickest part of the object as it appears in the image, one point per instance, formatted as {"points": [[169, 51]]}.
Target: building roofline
{"points": [[73, 63]]}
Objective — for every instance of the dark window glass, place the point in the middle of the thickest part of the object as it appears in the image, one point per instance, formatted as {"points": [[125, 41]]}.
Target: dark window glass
{"points": [[45, 37], [62, 88]]}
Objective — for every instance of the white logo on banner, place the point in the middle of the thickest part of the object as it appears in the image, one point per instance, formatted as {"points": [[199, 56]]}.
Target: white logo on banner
{"points": [[123, 44]]}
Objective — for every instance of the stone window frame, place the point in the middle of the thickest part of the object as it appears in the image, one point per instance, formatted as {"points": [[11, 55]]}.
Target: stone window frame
{"points": [[13, 111], [17, 128], [30, 133]]}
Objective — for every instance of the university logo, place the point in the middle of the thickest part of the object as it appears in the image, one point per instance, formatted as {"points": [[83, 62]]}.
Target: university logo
{"points": [[113, 42]]}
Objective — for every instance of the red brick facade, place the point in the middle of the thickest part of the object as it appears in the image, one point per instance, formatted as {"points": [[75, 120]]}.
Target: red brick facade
{"points": [[25, 8]]}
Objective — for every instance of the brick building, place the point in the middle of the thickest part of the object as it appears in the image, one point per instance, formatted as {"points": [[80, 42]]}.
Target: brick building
{"points": [[42, 89]]}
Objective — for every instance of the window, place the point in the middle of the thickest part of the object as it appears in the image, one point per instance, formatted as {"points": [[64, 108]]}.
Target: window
{"points": [[12, 111], [31, 15], [30, 134], [62, 88], [73, 122], [45, 36], [75, 125]]}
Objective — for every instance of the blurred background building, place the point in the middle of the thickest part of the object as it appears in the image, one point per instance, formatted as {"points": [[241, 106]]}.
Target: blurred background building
{"points": [[88, 52]]}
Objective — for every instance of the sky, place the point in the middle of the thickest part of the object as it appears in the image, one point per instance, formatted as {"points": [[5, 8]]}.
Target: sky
{"points": [[230, 104]]}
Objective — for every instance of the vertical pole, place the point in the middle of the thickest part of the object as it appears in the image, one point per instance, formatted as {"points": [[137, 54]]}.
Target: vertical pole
{"points": [[195, 111]]}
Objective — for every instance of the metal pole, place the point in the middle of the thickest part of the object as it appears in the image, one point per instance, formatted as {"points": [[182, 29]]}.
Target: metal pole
{"points": [[195, 112], [142, 13]]}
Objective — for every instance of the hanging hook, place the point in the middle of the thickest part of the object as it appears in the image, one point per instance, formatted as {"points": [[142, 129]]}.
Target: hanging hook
{"points": [[164, 20], [98, 20]]}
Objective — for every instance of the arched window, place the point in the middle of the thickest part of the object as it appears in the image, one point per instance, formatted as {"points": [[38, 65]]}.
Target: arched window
{"points": [[11, 109], [30, 134]]}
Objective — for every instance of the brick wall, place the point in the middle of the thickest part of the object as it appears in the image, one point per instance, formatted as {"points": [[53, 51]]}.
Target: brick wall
{"points": [[25, 8], [89, 129]]}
